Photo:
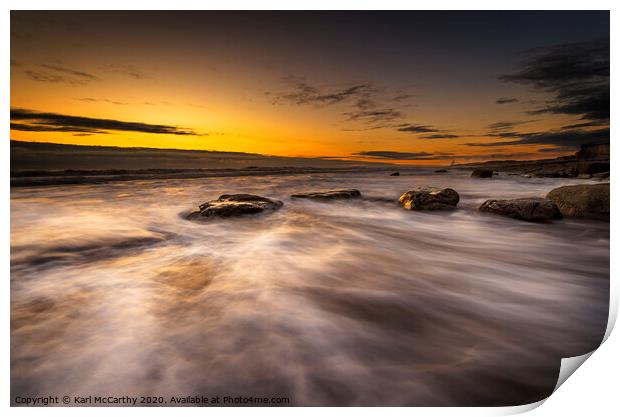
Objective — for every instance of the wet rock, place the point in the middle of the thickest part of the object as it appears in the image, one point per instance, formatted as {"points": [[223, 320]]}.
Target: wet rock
{"points": [[482, 173], [427, 198], [531, 209], [329, 195], [230, 205], [395, 174], [441, 171], [590, 201]]}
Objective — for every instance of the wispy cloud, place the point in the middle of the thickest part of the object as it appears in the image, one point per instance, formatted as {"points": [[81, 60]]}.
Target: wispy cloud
{"points": [[497, 156], [59, 74], [374, 117], [426, 156], [403, 97], [368, 105], [417, 128], [585, 124], [52, 128], [303, 93], [101, 100], [506, 100], [441, 136], [506, 125], [434, 132], [570, 137], [29, 120], [417, 156], [127, 70], [69, 71]]}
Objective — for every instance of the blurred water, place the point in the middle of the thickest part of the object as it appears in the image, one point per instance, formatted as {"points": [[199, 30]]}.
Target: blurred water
{"points": [[345, 303]]}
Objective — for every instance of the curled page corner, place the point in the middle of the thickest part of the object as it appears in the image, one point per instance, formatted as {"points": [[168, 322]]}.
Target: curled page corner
{"points": [[569, 366], [520, 409]]}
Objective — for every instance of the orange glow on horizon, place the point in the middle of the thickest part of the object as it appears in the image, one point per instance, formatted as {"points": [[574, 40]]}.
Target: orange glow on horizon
{"points": [[239, 101]]}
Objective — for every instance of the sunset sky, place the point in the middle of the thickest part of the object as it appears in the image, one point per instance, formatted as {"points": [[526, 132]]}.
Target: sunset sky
{"points": [[405, 87]]}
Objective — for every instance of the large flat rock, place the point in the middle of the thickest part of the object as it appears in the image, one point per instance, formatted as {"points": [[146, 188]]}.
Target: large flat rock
{"points": [[590, 201], [429, 198], [531, 209], [232, 205], [329, 194]]}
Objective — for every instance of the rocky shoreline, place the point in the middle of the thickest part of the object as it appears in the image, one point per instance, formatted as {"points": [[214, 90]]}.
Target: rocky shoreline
{"points": [[591, 161], [588, 201]]}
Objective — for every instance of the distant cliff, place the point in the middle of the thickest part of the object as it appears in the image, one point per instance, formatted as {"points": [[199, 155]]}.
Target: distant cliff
{"points": [[593, 152], [589, 161]]}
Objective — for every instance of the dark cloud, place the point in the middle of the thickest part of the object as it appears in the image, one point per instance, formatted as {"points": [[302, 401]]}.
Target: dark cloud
{"points": [[71, 72], [304, 93], [572, 137], [377, 117], [559, 149], [507, 134], [58, 74], [506, 100], [425, 156], [488, 144], [46, 122], [395, 155], [420, 156], [585, 124], [44, 77], [417, 128], [127, 70], [497, 156], [102, 100], [435, 133], [505, 125], [441, 136], [367, 104], [48, 128], [505, 129], [402, 97], [576, 76]]}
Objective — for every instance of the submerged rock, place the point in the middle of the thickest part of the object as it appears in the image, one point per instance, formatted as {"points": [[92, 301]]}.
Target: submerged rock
{"points": [[329, 195], [427, 198], [532, 209], [395, 174], [441, 171], [590, 201], [229, 205], [482, 173]]}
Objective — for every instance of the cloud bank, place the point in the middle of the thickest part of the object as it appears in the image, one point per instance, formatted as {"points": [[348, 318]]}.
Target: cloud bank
{"points": [[33, 121], [576, 75]]}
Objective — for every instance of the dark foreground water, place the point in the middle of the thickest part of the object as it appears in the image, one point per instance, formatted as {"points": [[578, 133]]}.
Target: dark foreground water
{"points": [[349, 303]]}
